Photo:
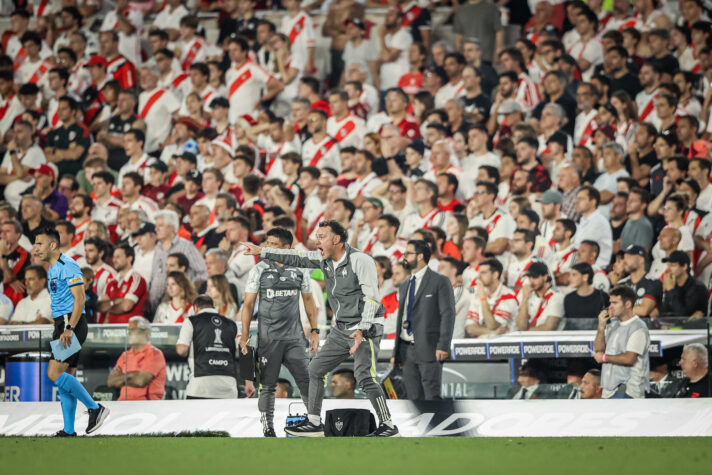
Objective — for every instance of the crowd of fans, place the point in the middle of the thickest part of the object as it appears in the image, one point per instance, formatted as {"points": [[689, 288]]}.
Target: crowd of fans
{"points": [[544, 151]]}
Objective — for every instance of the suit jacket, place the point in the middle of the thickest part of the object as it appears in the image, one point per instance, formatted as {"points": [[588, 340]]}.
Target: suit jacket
{"points": [[433, 315]]}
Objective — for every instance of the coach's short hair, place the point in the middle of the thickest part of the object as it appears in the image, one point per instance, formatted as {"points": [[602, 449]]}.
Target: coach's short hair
{"points": [[336, 228]]}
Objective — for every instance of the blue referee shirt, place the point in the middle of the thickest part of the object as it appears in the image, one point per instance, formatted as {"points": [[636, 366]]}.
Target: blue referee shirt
{"points": [[64, 274]]}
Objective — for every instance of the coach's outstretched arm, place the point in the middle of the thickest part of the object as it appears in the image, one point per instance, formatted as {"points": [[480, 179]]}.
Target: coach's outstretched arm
{"points": [[290, 257]]}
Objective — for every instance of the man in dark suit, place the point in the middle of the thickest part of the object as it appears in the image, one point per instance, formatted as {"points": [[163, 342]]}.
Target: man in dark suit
{"points": [[426, 317]]}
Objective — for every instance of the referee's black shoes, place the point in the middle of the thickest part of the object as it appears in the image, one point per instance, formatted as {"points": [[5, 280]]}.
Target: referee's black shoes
{"points": [[306, 429], [385, 431], [61, 433], [269, 432], [97, 418]]}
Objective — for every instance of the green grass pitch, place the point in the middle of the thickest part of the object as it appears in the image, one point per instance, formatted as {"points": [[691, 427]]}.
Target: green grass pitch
{"points": [[405, 456]]}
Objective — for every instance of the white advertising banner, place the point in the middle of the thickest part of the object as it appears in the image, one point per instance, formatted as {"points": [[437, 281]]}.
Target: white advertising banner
{"points": [[471, 418]]}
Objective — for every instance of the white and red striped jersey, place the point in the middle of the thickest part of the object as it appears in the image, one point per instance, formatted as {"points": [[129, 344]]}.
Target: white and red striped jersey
{"points": [[563, 259], [108, 212], [35, 72], [178, 83], [102, 276], [146, 204], [498, 225], [10, 108], [245, 84], [16, 51], [139, 166], [527, 92], [646, 104], [323, 154], [79, 79], [155, 108], [540, 309], [394, 253], [415, 221], [195, 51], [503, 305], [349, 131], [300, 31], [132, 287], [363, 186], [207, 94], [123, 70], [516, 270], [168, 313], [81, 229], [584, 127], [449, 91], [53, 113], [470, 276], [129, 45], [591, 50]]}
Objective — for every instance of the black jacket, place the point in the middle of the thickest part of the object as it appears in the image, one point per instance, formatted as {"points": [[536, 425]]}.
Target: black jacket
{"points": [[683, 301]]}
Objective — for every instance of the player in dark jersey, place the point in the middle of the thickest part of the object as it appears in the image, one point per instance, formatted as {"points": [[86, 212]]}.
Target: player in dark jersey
{"points": [[280, 334], [66, 288]]}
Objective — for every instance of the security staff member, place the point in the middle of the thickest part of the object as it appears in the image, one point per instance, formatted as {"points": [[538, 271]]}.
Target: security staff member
{"points": [[66, 289], [208, 339], [280, 336], [426, 319], [352, 286]]}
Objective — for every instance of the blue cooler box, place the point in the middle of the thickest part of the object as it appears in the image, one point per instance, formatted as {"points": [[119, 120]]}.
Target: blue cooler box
{"points": [[26, 378]]}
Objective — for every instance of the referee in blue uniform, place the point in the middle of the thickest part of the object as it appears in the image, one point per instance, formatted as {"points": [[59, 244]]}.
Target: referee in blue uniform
{"points": [[66, 289]]}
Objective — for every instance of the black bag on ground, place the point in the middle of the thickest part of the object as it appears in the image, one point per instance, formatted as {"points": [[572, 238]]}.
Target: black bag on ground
{"points": [[349, 423]]}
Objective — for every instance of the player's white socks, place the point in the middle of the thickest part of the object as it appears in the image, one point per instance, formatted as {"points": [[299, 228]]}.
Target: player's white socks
{"points": [[389, 423], [315, 419]]}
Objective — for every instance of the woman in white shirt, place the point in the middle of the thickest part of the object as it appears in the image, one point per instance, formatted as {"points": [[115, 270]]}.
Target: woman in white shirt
{"points": [[219, 290], [178, 301]]}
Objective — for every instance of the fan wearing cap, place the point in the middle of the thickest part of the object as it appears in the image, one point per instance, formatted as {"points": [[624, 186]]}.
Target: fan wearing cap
{"points": [[192, 194], [648, 291], [156, 187], [541, 306], [93, 97], [683, 295], [55, 203], [21, 157], [155, 107], [495, 305]]}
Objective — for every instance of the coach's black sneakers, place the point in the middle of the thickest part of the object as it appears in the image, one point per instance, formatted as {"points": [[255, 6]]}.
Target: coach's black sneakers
{"points": [[306, 429], [269, 432], [97, 418], [385, 431], [61, 433]]}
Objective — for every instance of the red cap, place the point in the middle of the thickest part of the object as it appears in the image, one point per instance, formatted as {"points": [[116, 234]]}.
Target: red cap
{"points": [[189, 122], [96, 60], [44, 169]]}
